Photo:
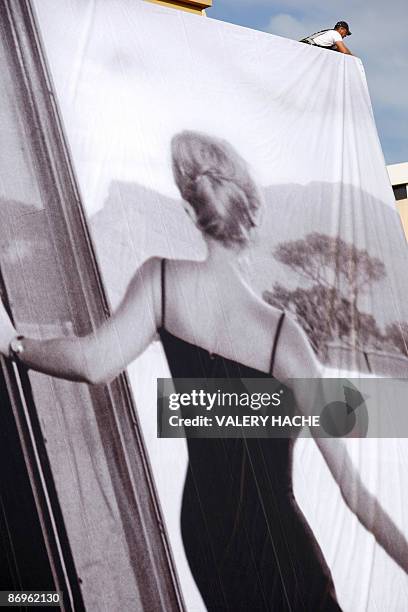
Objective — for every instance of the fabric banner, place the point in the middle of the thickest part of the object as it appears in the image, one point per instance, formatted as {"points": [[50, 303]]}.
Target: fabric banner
{"points": [[251, 165]]}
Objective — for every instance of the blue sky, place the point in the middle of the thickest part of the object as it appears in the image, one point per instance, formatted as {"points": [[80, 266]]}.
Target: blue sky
{"points": [[380, 32]]}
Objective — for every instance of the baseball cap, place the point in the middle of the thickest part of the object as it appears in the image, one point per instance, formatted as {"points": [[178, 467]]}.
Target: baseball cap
{"points": [[343, 24]]}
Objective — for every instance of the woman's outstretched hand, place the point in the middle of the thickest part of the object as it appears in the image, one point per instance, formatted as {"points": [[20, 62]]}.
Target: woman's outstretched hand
{"points": [[7, 330]]}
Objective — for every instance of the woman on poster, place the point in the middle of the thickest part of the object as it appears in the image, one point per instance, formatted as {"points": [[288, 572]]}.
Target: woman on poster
{"points": [[247, 541]]}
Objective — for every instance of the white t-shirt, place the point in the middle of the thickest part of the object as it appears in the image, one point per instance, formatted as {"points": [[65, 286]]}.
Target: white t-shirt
{"points": [[328, 39]]}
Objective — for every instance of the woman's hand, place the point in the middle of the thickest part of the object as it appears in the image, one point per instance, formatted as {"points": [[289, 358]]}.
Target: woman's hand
{"points": [[7, 330]]}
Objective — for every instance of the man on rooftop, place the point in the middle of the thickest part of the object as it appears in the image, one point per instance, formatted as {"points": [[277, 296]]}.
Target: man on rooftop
{"points": [[331, 39]]}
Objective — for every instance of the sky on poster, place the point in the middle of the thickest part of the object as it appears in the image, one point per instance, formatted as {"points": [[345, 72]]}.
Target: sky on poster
{"points": [[104, 66], [379, 38]]}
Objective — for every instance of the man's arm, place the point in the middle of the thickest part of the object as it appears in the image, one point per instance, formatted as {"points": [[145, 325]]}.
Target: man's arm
{"points": [[340, 46]]}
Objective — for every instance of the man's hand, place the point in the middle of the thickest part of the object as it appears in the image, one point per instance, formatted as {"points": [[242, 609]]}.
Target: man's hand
{"points": [[340, 46]]}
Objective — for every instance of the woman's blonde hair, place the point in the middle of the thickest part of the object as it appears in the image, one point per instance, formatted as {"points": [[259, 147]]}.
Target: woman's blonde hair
{"points": [[215, 180]]}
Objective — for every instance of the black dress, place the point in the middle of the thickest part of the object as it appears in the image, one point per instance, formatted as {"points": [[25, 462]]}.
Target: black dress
{"points": [[247, 542]]}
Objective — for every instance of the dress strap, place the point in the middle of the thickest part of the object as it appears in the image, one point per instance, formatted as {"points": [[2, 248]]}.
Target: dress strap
{"points": [[163, 293], [275, 342]]}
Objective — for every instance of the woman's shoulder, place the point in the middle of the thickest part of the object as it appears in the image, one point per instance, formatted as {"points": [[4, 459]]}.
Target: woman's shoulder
{"points": [[149, 270], [157, 274], [148, 280]]}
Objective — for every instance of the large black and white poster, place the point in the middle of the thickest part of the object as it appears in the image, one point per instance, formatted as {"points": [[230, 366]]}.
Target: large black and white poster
{"points": [[251, 165]]}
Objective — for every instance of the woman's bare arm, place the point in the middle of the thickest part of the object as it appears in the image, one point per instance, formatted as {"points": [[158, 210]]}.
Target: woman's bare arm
{"points": [[362, 503], [103, 354], [296, 360]]}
